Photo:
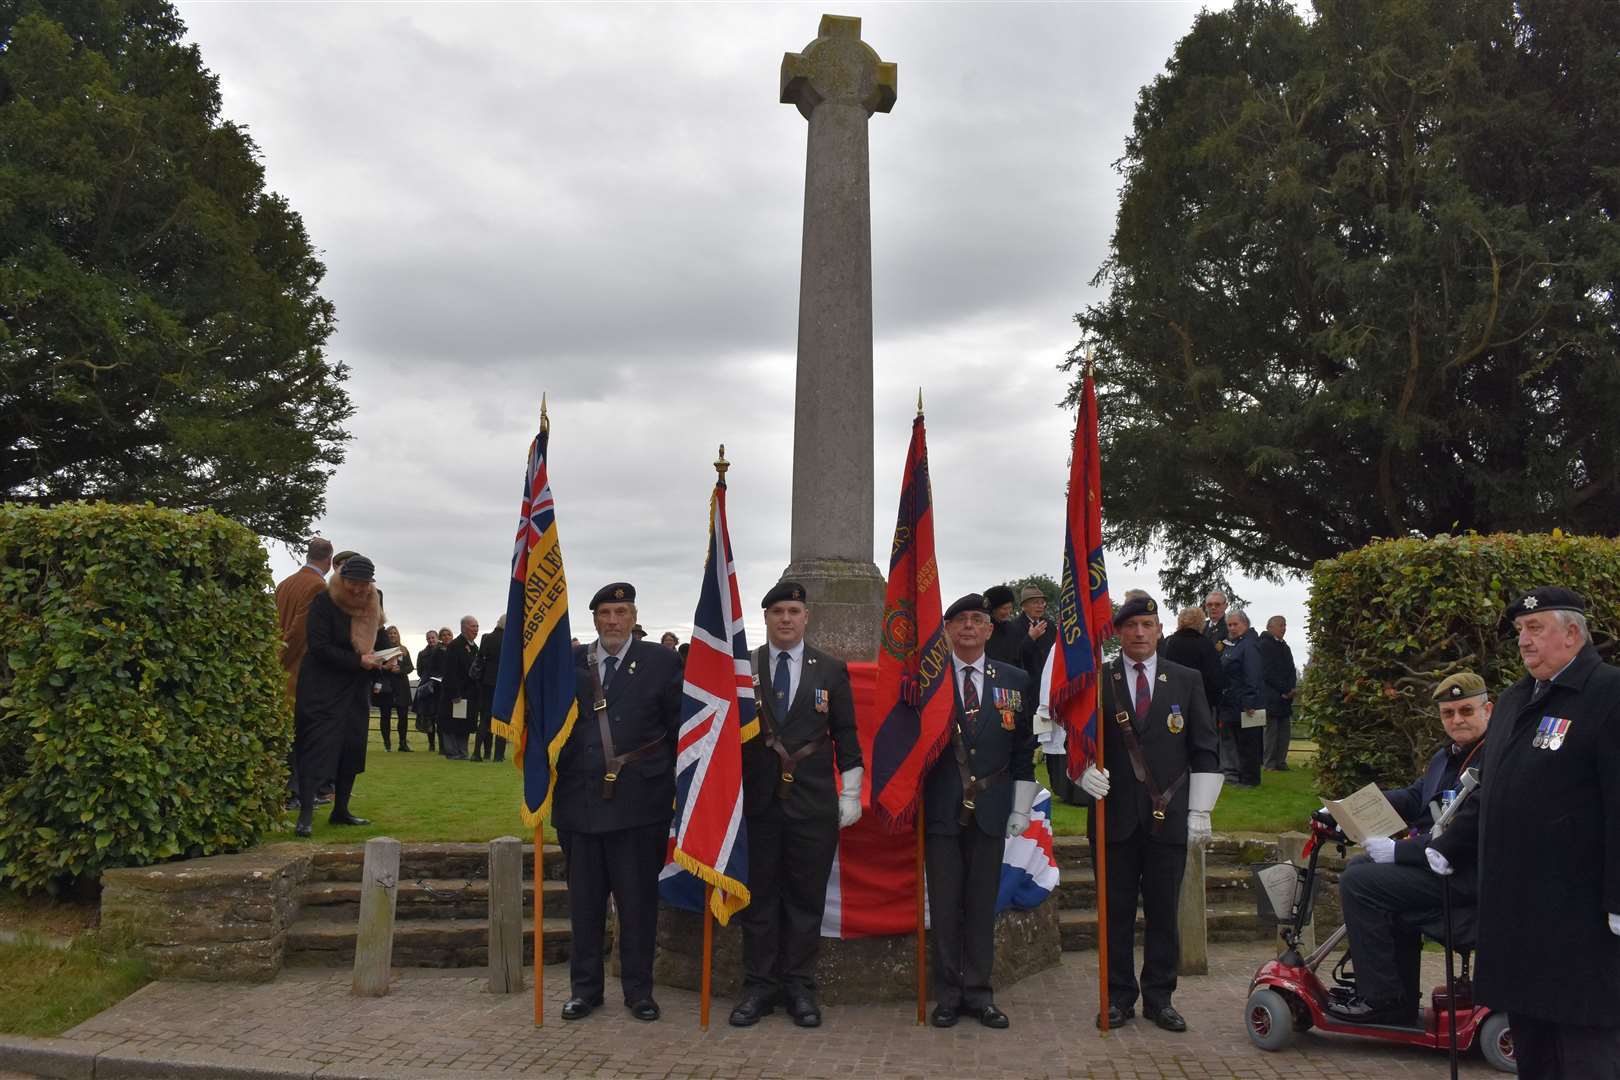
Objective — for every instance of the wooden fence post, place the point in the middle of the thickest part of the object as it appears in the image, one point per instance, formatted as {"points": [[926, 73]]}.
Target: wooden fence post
{"points": [[506, 913], [1193, 916], [374, 945]]}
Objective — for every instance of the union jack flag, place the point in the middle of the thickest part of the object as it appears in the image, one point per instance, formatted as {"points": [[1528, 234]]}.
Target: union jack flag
{"points": [[708, 837], [534, 704]]}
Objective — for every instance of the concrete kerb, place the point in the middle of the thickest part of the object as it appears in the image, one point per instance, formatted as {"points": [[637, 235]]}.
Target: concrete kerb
{"points": [[86, 1059]]}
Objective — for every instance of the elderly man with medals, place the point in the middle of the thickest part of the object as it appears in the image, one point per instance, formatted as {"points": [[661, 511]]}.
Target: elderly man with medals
{"points": [[1156, 719], [976, 795], [796, 798], [615, 796]]}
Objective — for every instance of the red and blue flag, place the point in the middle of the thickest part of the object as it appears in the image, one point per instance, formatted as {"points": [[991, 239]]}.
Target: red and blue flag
{"points": [[534, 704]]}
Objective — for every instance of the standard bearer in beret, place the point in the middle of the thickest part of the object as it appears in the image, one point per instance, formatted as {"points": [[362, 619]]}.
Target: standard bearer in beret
{"points": [[1546, 820], [802, 779], [1389, 891], [615, 797], [1159, 736]]}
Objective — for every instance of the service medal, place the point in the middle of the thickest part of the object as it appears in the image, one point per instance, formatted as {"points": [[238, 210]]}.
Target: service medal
{"points": [[1544, 732], [1556, 739], [1008, 720], [1175, 722], [821, 700]]}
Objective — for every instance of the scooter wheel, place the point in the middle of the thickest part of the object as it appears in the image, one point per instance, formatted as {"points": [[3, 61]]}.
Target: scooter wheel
{"points": [[1496, 1043], [1269, 1020]]}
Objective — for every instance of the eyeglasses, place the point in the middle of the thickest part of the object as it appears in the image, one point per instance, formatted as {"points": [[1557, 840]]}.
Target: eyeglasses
{"points": [[977, 618]]}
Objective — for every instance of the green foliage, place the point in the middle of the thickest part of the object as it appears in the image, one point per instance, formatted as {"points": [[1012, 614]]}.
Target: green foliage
{"points": [[1044, 582], [1390, 621], [143, 713], [161, 333], [1361, 284]]}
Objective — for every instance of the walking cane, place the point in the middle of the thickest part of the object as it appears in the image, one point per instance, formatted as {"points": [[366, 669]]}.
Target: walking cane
{"points": [[1469, 782]]}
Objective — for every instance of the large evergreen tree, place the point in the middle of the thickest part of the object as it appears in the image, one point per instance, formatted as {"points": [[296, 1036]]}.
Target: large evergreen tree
{"points": [[1362, 283], [161, 332]]}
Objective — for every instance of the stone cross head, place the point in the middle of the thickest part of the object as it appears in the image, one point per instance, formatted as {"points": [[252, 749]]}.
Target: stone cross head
{"points": [[838, 67]]}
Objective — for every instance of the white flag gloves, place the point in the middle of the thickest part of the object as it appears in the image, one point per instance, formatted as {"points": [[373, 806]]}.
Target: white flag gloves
{"points": [[1614, 924], [849, 797], [1023, 799], [1438, 862], [1381, 849], [1094, 782], [1203, 788]]}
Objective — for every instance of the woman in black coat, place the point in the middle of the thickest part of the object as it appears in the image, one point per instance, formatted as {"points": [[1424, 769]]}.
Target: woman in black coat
{"points": [[391, 692], [330, 716], [1190, 648]]}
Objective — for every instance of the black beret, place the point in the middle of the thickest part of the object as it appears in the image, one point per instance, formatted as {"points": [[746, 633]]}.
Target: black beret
{"points": [[785, 590], [971, 602], [620, 592], [996, 595], [1136, 605], [358, 568], [1546, 598]]}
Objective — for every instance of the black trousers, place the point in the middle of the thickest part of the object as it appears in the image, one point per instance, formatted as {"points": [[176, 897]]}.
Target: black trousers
{"points": [[482, 747], [1142, 867], [385, 705], [1546, 1050], [1382, 902], [964, 875], [789, 861], [625, 864]]}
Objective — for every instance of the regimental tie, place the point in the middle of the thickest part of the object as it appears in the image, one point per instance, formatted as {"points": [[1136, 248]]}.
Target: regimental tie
{"points": [[1144, 693], [610, 665], [782, 684], [970, 693]]}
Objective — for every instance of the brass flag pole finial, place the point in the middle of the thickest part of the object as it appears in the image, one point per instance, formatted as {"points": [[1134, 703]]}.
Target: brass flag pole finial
{"points": [[721, 464], [545, 421], [919, 401], [1091, 355]]}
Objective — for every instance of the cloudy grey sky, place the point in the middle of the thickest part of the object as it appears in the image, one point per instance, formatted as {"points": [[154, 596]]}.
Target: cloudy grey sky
{"points": [[604, 203]]}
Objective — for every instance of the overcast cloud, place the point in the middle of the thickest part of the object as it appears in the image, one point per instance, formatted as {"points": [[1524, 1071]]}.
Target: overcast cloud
{"points": [[604, 203]]}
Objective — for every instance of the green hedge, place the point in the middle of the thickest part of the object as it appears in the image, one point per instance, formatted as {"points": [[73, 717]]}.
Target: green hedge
{"points": [[142, 709], [1389, 621]]}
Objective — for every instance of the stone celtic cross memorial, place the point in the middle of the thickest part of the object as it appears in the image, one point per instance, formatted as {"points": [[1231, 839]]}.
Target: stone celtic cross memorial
{"points": [[837, 83]]}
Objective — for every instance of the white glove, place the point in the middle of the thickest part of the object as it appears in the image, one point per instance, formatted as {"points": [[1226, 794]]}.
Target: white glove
{"points": [[1381, 849], [1199, 829], [1023, 799], [849, 797], [1614, 924], [1094, 782], [1203, 788], [1437, 862]]}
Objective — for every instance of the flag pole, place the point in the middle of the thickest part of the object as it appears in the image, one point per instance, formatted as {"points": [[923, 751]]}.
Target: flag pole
{"points": [[539, 923], [708, 955], [922, 931], [1099, 868]]}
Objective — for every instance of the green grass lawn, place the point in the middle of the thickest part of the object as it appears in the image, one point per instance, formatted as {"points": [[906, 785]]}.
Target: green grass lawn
{"points": [[45, 989], [1282, 803]]}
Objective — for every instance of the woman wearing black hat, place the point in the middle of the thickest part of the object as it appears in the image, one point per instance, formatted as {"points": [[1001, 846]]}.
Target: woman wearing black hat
{"points": [[332, 713]]}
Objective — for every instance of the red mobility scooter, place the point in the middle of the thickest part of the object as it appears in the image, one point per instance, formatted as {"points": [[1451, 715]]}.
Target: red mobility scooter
{"points": [[1287, 996]]}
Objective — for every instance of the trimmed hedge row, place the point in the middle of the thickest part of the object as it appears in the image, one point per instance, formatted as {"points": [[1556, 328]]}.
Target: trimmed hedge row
{"points": [[1391, 620], [142, 709]]}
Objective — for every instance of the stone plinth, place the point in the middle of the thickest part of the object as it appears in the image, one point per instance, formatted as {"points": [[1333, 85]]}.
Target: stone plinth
{"points": [[846, 606], [860, 971], [223, 917]]}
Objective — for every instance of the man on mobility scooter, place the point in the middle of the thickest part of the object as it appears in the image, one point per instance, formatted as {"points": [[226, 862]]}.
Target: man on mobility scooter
{"points": [[1390, 892]]}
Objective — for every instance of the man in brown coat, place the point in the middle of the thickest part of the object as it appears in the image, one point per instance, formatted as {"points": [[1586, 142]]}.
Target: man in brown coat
{"points": [[293, 595]]}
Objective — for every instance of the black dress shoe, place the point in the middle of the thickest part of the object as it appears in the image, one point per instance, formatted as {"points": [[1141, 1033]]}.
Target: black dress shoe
{"points": [[992, 1017], [404, 749], [750, 1009], [303, 828], [577, 1008], [348, 819], [1167, 1018], [1117, 1016], [645, 1009], [943, 1016], [804, 1010], [1359, 1011]]}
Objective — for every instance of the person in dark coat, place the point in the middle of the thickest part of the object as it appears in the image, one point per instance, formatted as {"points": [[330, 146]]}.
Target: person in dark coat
{"points": [[1189, 647], [615, 797], [425, 700], [1005, 644], [1547, 821], [976, 795], [1277, 669], [1035, 632], [1215, 605], [331, 717], [489, 667], [1243, 692], [1170, 725], [458, 690], [796, 797], [1389, 892], [391, 692]]}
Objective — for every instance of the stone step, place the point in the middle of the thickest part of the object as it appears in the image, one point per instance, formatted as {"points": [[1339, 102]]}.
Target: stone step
{"points": [[1223, 885], [440, 898], [1227, 922], [431, 862], [430, 943], [1238, 849]]}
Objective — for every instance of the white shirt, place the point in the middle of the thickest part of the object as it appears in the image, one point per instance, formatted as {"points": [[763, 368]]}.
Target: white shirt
{"points": [[977, 667], [795, 657], [602, 654], [1150, 667]]}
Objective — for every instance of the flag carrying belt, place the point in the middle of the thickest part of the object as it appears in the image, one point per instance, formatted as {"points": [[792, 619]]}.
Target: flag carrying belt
{"points": [[615, 761], [1144, 775], [972, 786], [789, 761]]}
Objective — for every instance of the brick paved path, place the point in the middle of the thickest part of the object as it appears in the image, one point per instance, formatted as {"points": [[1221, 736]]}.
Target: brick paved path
{"points": [[434, 1020]]}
